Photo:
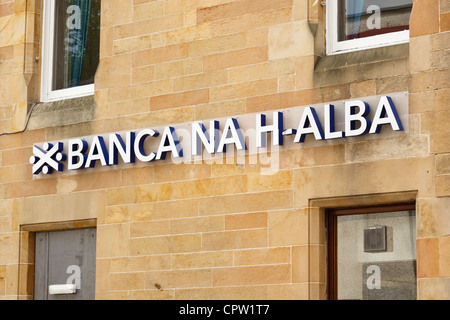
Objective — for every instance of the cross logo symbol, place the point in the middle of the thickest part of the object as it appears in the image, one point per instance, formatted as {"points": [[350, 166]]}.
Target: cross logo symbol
{"points": [[48, 159]]}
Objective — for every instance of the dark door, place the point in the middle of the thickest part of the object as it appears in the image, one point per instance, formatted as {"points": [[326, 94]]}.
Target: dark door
{"points": [[65, 259]]}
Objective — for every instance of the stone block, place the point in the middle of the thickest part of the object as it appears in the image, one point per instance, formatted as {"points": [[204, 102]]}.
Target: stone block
{"points": [[175, 209], [178, 68], [149, 228], [209, 187], [158, 55], [265, 182], [445, 21], [287, 228], [203, 260], [363, 89], [420, 60], [243, 90], [220, 109], [202, 80], [178, 279], [251, 21], [250, 202], [196, 225], [264, 256], [9, 243], [155, 192], [137, 264], [131, 44], [143, 74], [443, 163], [429, 80], [113, 71], [428, 257], [116, 12], [442, 97], [179, 99], [246, 221], [218, 44], [127, 281], [305, 74], [112, 240], [424, 18], [257, 37], [165, 244], [258, 275], [238, 8], [289, 292], [443, 186], [143, 27], [148, 10], [290, 40], [234, 58], [431, 220], [151, 295], [241, 239], [392, 84], [439, 143], [150, 89], [129, 107], [181, 35], [434, 289], [300, 264]]}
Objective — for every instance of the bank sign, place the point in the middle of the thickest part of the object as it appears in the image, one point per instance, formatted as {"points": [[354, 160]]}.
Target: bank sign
{"points": [[316, 125]]}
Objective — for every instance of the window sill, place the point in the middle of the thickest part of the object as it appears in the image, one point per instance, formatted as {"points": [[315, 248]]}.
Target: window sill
{"points": [[62, 112], [379, 63], [353, 58]]}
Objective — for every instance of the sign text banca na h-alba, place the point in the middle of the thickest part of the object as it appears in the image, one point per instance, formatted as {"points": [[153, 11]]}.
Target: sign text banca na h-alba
{"points": [[295, 126]]}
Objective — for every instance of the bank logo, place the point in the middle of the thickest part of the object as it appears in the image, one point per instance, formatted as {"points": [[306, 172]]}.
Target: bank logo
{"points": [[48, 159]]}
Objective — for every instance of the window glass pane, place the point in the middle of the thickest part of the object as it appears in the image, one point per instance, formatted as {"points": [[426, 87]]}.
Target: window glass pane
{"points": [[376, 256], [366, 18], [76, 42]]}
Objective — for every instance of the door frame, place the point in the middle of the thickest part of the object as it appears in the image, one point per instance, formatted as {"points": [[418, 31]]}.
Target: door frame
{"points": [[331, 216], [27, 252]]}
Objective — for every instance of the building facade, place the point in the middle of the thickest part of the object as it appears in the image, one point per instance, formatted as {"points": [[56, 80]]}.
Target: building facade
{"points": [[224, 149]]}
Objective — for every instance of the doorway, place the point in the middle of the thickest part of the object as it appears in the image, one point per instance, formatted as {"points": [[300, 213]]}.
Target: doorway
{"points": [[372, 253], [65, 265]]}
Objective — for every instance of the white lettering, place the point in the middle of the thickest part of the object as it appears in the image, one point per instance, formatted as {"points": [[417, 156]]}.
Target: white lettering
{"points": [[97, 151], [169, 143], [139, 145], [374, 281], [352, 117], [374, 21], [386, 114], [118, 146], [309, 124], [262, 128], [352, 121], [330, 123], [75, 277], [74, 21], [200, 135], [77, 149], [232, 134]]}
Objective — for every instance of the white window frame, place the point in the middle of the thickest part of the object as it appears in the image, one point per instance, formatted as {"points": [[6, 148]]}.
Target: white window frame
{"points": [[48, 31], [336, 47]]}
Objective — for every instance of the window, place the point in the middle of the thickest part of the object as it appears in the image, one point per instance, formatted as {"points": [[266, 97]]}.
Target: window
{"points": [[70, 51], [372, 253], [363, 24]]}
